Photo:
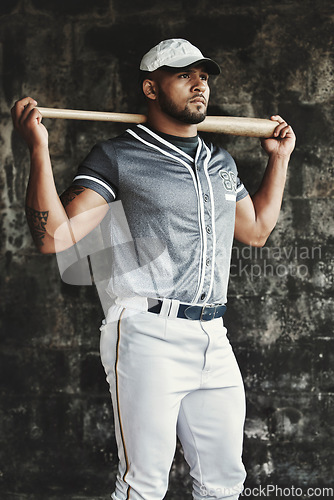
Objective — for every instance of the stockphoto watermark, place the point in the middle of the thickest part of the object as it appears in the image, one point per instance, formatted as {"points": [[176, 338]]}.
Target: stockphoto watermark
{"points": [[253, 262], [272, 490], [269, 491]]}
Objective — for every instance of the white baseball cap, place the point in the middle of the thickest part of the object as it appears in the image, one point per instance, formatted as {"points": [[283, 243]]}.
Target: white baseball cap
{"points": [[176, 53]]}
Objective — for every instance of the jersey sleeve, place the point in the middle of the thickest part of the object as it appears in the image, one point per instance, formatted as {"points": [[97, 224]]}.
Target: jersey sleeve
{"points": [[99, 172], [241, 190]]}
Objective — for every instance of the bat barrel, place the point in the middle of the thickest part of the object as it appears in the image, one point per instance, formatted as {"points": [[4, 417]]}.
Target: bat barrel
{"points": [[242, 126]]}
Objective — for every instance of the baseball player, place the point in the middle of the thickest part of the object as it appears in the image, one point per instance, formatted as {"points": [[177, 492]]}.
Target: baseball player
{"points": [[169, 364]]}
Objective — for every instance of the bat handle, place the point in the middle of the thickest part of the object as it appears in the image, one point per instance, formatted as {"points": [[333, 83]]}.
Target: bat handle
{"points": [[76, 114]]}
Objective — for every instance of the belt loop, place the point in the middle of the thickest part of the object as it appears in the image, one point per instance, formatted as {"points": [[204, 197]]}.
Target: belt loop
{"points": [[165, 308], [174, 309]]}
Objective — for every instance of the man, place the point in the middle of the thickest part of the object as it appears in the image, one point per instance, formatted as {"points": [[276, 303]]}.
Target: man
{"points": [[164, 348]]}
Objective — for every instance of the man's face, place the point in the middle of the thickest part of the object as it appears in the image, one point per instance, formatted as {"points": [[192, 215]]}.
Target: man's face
{"points": [[184, 95]]}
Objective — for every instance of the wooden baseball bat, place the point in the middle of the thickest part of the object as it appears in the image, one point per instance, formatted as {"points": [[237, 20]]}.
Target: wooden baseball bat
{"points": [[250, 127]]}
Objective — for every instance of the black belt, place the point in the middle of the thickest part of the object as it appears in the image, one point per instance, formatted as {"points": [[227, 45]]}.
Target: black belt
{"points": [[203, 313]]}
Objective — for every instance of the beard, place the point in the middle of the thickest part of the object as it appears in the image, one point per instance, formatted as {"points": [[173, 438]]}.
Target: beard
{"points": [[184, 115]]}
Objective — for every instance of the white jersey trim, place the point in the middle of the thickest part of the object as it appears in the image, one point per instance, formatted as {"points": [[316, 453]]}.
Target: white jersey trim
{"points": [[204, 245], [166, 143], [213, 219], [157, 148], [98, 181]]}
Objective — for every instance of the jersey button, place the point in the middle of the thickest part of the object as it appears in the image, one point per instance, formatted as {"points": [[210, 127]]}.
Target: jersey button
{"points": [[206, 198], [208, 229], [203, 296], [207, 262]]}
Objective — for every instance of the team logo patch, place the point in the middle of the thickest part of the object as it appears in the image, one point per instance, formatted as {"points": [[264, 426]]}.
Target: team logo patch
{"points": [[229, 181]]}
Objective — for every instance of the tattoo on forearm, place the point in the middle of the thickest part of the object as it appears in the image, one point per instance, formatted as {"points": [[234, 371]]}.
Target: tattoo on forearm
{"points": [[70, 194], [37, 223]]}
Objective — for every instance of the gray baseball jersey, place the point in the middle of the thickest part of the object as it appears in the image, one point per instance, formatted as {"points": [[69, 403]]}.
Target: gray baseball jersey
{"points": [[185, 206]]}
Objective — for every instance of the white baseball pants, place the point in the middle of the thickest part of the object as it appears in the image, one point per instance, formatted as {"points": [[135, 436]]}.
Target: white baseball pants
{"points": [[169, 377]]}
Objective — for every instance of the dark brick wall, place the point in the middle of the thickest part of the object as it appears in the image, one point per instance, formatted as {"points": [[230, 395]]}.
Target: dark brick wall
{"points": [[56, 425]]}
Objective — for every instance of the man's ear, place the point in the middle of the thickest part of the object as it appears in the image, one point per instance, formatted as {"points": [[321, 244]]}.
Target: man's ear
{"points": [[149, 89]]}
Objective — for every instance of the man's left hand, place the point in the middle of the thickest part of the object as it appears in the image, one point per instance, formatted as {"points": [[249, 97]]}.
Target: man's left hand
{"points": [[283, 141]]}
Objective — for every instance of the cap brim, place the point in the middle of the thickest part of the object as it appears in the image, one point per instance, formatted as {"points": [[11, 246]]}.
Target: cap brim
{"points": [[186, 62]]}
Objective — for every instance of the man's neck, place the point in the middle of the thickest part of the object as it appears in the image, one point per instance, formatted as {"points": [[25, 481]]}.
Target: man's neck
{"points": [[171, 126]]}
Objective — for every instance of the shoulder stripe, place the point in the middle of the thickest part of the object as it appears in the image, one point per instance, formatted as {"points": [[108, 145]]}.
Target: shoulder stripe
{"points": [[98, 181]]}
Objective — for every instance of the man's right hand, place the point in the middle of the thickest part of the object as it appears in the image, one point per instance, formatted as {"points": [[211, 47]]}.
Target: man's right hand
{"points": [[28, 123]]}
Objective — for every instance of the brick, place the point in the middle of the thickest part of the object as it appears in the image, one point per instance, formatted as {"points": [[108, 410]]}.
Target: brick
{"points": [[235, 31], [26, 372], [273, 368], [115, 40], [8, 6], [72, 7], [92, 378]]}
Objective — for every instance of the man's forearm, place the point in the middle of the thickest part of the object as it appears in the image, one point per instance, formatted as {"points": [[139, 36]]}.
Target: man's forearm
{"points": [[44, 210], [268, 199]]}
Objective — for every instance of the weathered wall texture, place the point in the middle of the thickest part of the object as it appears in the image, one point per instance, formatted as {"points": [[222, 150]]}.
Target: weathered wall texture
{"points": [[56, 425]]}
